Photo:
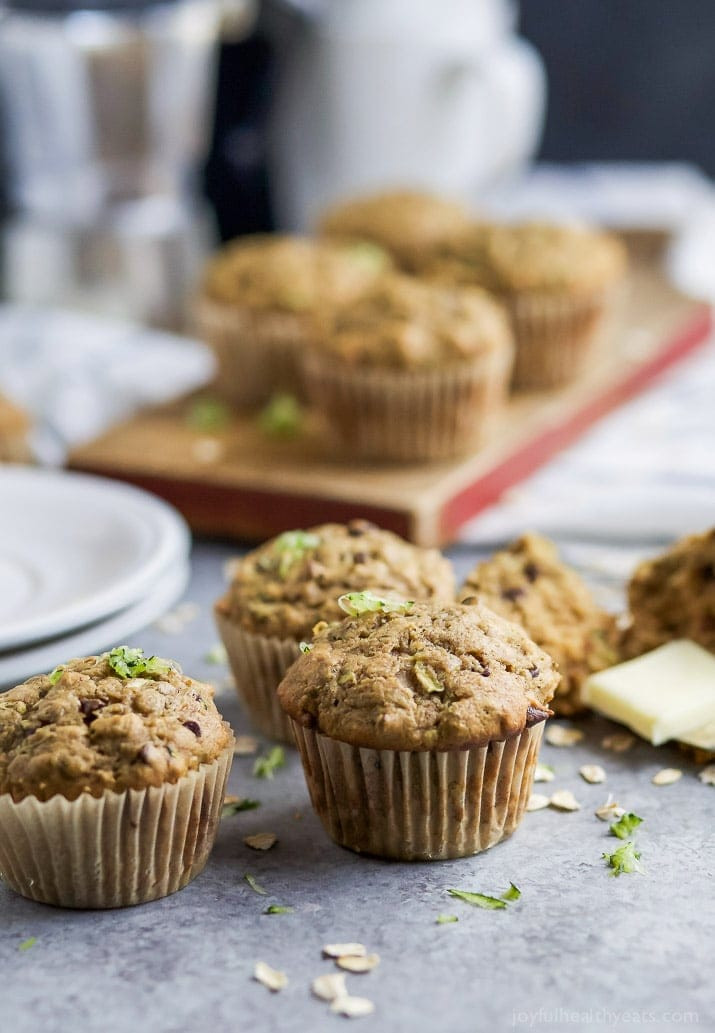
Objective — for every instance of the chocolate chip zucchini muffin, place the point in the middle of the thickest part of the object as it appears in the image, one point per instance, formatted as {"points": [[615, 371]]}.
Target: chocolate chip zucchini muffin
{"points": [[258, 300], [556, 281], [419, 726], [281, 590], [527, 583], [673, 596], [14, 430], [403, 222], [112, 776], [411, 370]]}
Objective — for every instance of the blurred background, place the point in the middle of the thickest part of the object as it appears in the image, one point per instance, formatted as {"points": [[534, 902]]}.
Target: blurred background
{"points": [[135, 134]]}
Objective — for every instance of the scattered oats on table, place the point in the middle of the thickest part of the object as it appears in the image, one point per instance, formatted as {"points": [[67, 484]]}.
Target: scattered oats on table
{"points": [[544, 773], [358, 963], [666, 776], [329, 986], [344, 950], [537, 802], [592, 773], [352, 1007], [245, 746], [174, 622], [261, 840], [618, 742], [564, 800], [207, 450], [272, 978], [707, 775], [610, 810], [558, 735]]}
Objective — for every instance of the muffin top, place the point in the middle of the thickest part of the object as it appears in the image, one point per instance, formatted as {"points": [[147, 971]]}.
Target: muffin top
{"points": [[284, 587], [401, 221], [528, 256], [529, 584], [112, 722], [673, 596], [426, 676], [405, 323], [13, 419], [291, 274]]}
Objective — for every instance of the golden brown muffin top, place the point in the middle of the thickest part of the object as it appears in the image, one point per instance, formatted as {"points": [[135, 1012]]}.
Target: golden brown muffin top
{"points": [[673, 596], [112, 722], [528, 256], [291, 274], [13, 419], [529, 584], [288, 584], [403, 323], [430, 677], [404, 222]]}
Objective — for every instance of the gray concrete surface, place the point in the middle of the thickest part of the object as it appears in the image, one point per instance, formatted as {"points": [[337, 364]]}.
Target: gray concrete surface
{"points": [[580, 949]]}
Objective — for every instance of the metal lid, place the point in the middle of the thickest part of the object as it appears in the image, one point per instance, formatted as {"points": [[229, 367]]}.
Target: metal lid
{"points": [[60, 7]]}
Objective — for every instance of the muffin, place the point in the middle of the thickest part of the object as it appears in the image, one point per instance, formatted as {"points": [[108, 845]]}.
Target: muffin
{"points": [[112, 776], [257, 304], [529, 584], [556, 281], [673, 596], [403, 222], [281, 590], [410, 371], [14, 430], [419, 726]]}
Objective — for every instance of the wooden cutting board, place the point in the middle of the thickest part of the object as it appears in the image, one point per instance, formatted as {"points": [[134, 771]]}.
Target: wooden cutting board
{"points": [[250, 486]]}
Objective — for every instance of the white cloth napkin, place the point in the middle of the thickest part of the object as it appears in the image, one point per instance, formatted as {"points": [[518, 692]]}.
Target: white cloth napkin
{"points": [[78, 374]]}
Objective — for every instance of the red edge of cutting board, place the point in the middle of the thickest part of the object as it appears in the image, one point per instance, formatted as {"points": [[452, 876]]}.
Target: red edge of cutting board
{"points": [[522, 462]]}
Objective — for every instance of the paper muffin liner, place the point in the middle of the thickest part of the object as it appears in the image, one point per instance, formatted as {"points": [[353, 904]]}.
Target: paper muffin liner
{"points": [[419, 805], [409, 415], [115, 850], [257, 353], [556, 335], [258, 663]]}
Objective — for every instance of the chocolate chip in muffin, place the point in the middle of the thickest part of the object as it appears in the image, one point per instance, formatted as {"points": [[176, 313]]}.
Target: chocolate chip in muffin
{"points": [[512, 594]]}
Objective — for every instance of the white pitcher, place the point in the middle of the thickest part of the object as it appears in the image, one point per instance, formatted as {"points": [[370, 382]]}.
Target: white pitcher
{"points": [[439, 94]]}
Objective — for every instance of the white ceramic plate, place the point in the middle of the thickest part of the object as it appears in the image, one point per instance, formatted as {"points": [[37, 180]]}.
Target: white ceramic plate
{"points": [[75, 549], [117, 630]]}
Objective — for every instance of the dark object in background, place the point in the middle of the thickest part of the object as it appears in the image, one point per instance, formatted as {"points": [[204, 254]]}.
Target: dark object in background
{"points": [[627, 81], [235, 178]]}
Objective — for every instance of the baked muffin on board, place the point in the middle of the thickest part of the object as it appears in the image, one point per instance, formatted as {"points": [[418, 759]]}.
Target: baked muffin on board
{"points": [[673, 596], [556, 281], [404, 222], [281, 590], [529, 584], [112, 777], [410, 371], [14, 430], [419, 726], [258, 300]]}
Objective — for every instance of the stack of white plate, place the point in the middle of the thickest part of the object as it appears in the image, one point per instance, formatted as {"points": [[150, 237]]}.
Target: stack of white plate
{"points": [[84, 564]]}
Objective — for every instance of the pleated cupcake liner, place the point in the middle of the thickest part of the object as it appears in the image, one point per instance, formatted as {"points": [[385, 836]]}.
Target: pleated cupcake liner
{"points": [[557, 335], [258, 663], [419, 805], [116, 850], [409, 415], [257, 353]]}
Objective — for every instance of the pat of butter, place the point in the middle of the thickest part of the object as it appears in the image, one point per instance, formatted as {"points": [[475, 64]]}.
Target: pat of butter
{"points": [[703, 738], [661, 695]]}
